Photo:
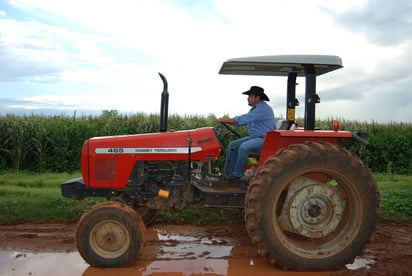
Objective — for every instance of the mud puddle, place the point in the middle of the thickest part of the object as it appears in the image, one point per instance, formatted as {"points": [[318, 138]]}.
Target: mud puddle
{"points": [[25, 263], [15, 263], [170, 250]]}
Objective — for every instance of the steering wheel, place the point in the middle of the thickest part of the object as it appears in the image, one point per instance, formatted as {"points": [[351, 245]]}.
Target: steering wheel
{"points": [[229, 130]]}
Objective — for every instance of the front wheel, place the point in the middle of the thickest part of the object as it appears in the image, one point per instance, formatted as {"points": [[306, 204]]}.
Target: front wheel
{"points": [[312, 206], [110, 234]]}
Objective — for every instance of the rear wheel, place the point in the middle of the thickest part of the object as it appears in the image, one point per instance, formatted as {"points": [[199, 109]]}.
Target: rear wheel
{"points": [[312, 206], [110, 234]]}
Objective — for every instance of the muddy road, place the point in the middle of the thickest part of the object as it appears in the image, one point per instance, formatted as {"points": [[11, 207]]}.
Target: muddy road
{"points": [[49, 249]]}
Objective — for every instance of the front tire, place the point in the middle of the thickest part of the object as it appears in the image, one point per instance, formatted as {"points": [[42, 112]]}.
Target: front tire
{"points": [[110, 234], [312, 206]]}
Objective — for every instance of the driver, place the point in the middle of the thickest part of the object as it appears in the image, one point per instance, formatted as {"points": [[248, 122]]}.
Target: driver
{"points": [[258, 120]]}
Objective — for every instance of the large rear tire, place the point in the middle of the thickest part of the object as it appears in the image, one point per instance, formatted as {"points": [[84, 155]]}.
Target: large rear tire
{"points": [[110, 234], [312, 206]]}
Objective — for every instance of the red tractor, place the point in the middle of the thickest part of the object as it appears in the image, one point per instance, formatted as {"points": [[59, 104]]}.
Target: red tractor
{"points": [[311, 204]]}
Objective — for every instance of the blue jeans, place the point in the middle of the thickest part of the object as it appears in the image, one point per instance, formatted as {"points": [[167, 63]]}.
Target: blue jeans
{"points": [[238, 152]]}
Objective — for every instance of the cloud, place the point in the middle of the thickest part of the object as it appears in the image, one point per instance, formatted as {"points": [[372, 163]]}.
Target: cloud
{"points": [[28, 107], [108, 57], [55, 103], [31, 51], [26, 57], [383, 22]]}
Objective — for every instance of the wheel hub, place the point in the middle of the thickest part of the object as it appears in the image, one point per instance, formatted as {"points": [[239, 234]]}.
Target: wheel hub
{"points": [[109, 239], [311, 209]]}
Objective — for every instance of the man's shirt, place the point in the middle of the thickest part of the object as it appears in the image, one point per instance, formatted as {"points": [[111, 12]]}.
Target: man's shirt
{"points": [[258, 120]]}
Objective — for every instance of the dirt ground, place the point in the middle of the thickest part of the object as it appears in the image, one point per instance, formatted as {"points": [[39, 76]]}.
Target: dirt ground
{"points": [[390, 250]]}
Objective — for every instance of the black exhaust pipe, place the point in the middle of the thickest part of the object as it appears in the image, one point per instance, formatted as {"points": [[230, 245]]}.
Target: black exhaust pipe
{"points": [[164, 105]]}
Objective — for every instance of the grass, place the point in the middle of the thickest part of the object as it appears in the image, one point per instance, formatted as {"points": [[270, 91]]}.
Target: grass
{"points": [[396, 196], [28, 197]]}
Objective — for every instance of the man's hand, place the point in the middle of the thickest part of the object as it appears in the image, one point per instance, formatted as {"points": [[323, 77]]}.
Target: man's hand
{"points": [[227, 121]]}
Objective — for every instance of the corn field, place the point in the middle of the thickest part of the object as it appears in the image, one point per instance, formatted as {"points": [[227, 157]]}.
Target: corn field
{"points": [[53, 143]]}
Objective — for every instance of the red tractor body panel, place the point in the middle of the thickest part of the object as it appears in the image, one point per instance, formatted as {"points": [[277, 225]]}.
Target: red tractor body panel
{"points": [[107, 162], [276, 140]]}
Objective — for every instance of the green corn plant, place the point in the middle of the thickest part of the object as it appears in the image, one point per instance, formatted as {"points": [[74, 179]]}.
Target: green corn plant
{"points": [[15, 144]]}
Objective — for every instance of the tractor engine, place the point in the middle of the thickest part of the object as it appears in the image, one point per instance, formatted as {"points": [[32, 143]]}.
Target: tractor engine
{"points": [[156, 184], [164, 174], [160, 173]]}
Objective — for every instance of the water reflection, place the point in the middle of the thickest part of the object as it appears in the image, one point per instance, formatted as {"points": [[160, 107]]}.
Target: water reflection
{"points": [[25, 263], [15, 263], [167, 252], [211, 267], [359, 263]]}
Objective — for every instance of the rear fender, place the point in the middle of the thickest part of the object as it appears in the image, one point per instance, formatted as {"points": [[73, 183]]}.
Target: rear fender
{"points": [[278, 139]]}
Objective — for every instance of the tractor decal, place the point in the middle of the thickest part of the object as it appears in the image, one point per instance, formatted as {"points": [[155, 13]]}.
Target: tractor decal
{"points": [[157, 150]]}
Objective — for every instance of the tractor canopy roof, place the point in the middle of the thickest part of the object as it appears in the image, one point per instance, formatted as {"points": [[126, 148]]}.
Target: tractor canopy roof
{"points": [[281, 65], [290, 66]]}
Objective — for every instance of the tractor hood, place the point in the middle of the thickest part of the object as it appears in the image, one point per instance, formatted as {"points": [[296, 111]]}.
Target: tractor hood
{"points": [[203, 145], [111, 159]]}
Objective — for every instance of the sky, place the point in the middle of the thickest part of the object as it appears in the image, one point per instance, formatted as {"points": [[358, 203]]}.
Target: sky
{"points": [[85, 56]]}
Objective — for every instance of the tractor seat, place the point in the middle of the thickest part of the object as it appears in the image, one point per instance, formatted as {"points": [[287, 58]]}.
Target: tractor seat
{"points": [[283, 125]]}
